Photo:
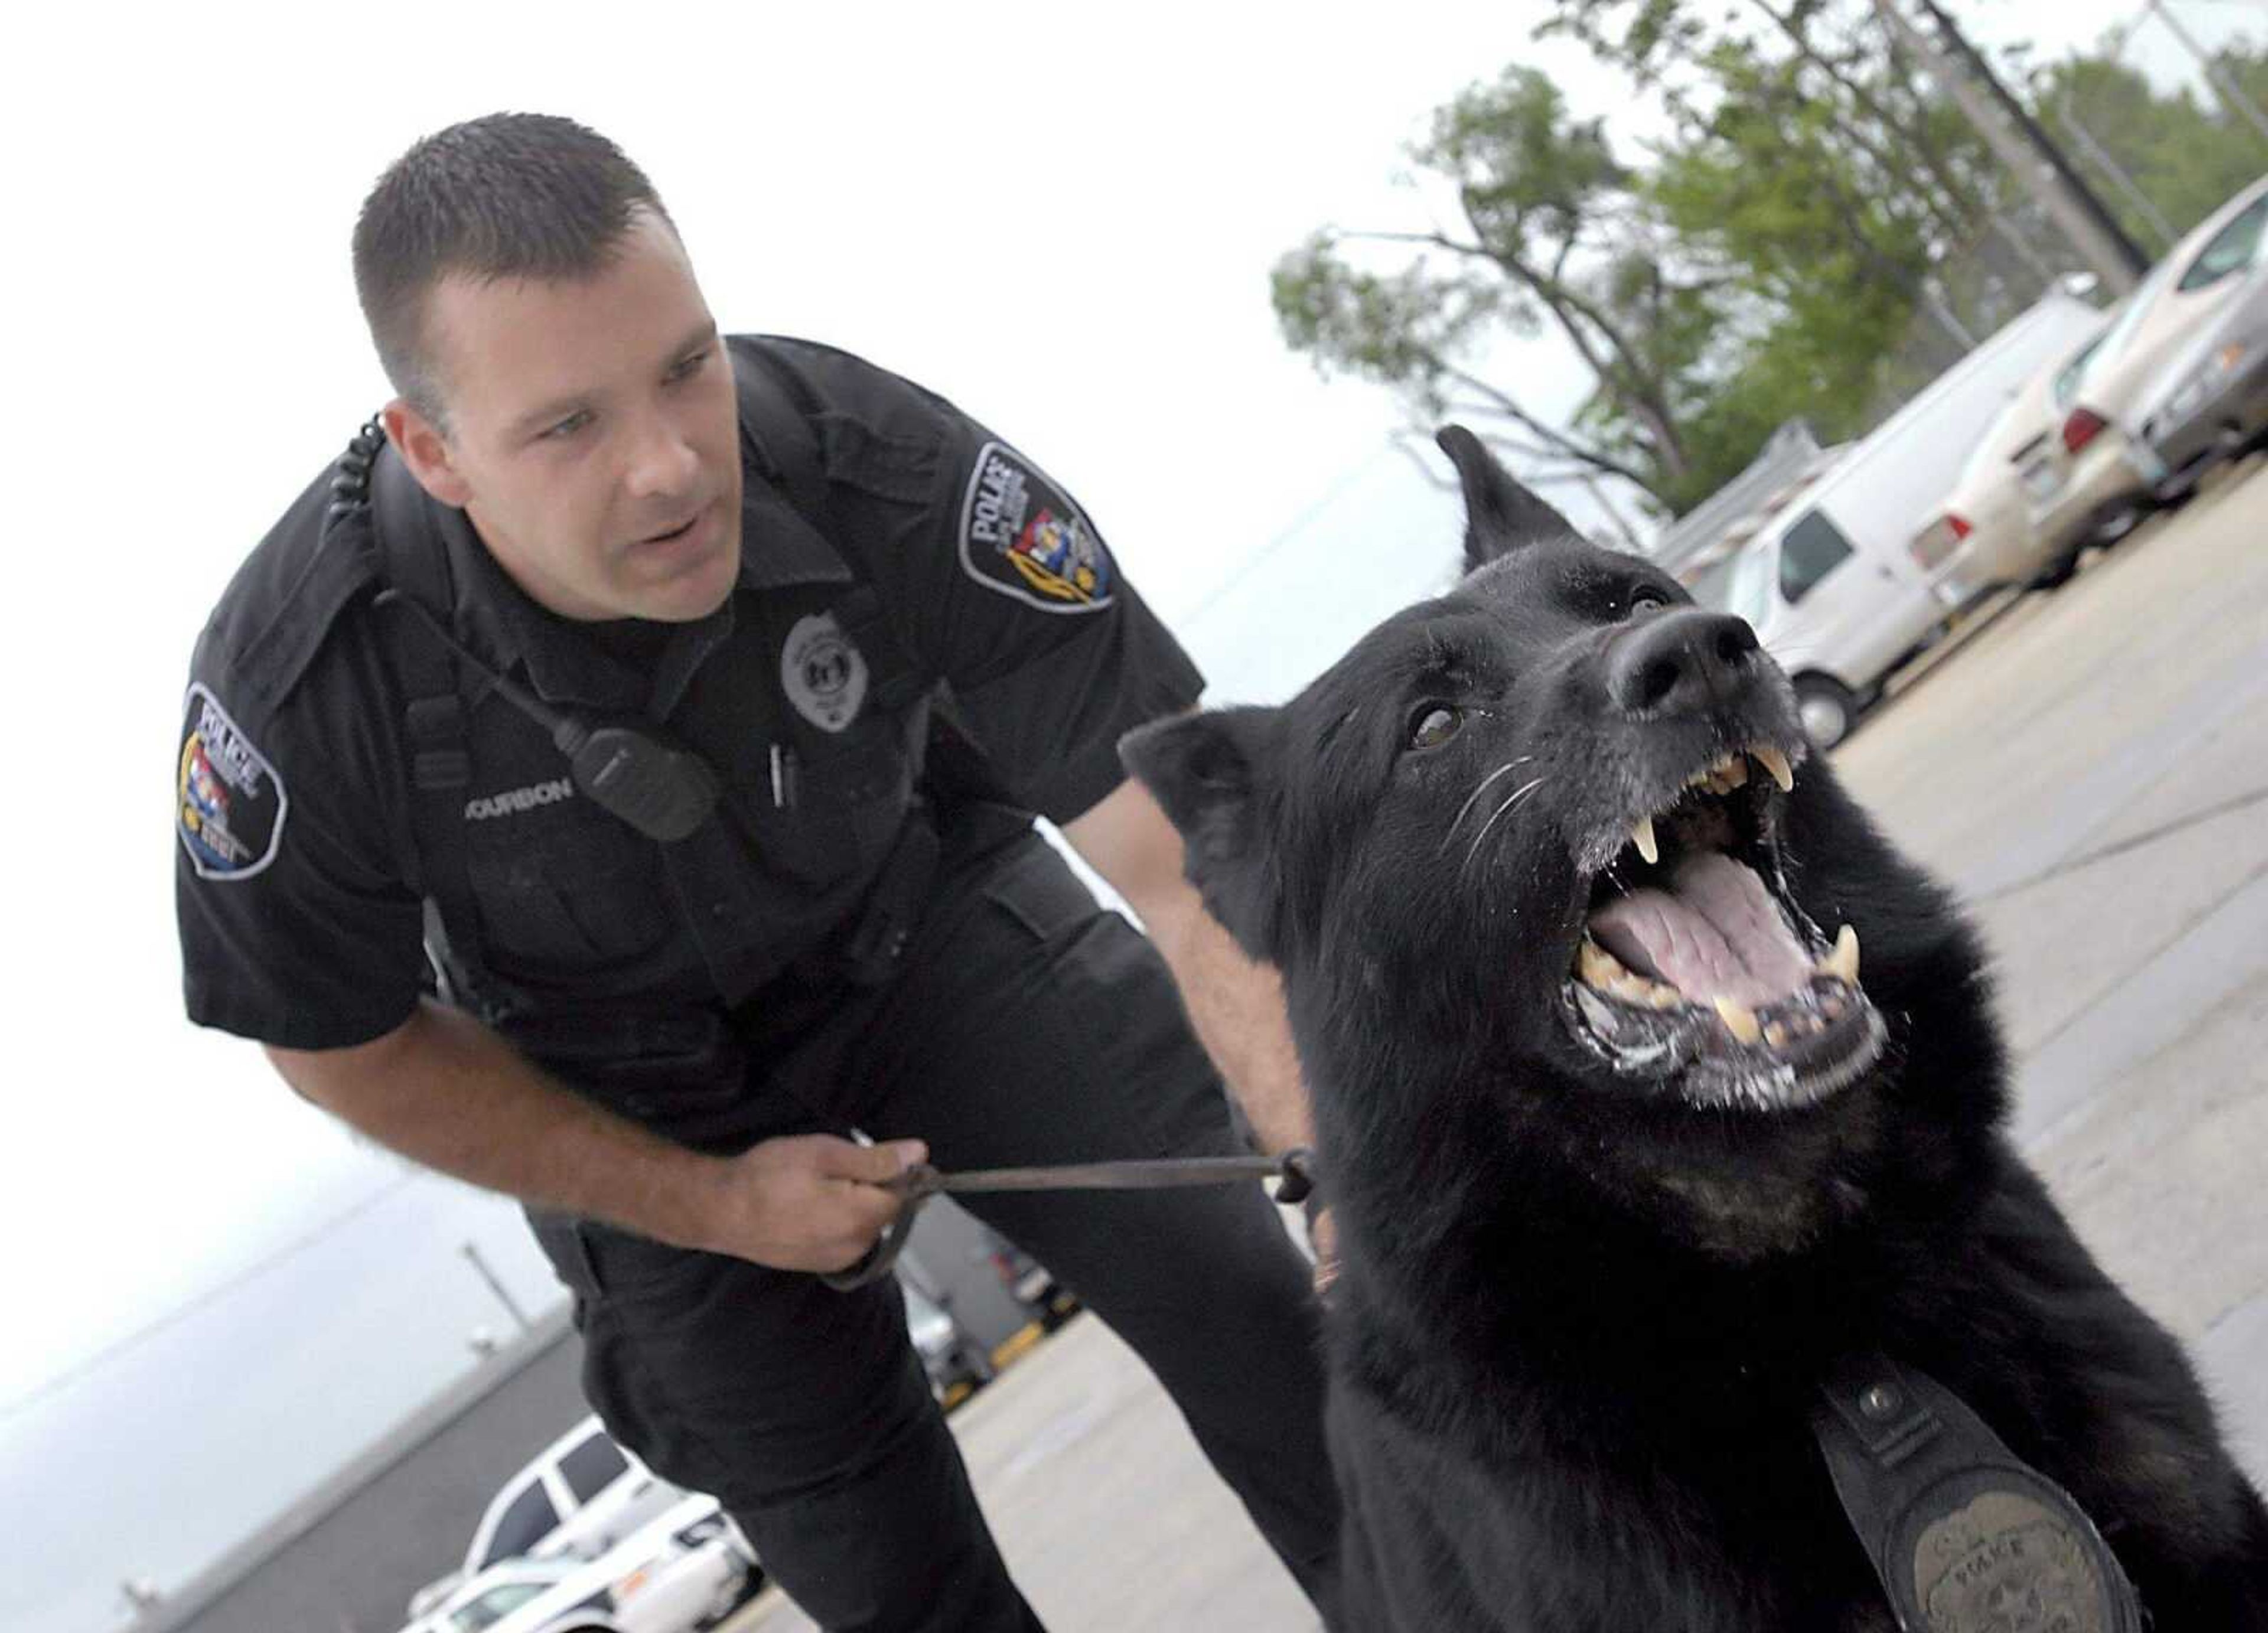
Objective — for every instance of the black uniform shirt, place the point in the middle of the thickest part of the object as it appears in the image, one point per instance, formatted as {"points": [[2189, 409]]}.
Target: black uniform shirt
{"points": [[945, 557]]}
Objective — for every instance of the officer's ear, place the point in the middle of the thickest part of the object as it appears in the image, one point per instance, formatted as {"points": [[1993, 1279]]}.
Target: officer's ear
{"points": [[425, 450], [1214, 774]]}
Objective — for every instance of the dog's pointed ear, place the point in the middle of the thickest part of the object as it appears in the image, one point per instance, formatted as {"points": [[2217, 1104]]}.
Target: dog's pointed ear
{"points": [[1214, 774], [1500, 515]]}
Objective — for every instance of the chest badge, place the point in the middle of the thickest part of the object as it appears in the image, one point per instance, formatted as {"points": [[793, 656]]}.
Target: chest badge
{"points": [[823, 675]]}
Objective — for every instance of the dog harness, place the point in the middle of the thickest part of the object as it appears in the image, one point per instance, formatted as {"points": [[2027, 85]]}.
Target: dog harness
{"points": [[1965, 1536]]}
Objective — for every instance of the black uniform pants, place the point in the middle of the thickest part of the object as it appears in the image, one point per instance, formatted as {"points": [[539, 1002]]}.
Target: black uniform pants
{"points": [[1027, 1026]]}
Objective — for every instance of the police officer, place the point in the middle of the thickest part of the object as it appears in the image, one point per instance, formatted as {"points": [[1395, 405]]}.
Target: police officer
{"points": [[614, 789]]}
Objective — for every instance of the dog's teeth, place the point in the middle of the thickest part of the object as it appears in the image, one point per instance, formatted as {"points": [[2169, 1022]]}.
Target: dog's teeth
{"points": [[1665, 996], [1636, 990], [1737, 772], [1642, 836], [1739, 1021], [1775, 1035], [1597, 966], [1843, 963], [1832, 1008], [1776, 763]]}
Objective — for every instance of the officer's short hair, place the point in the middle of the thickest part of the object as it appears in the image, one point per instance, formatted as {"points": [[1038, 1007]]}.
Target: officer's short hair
{"points": [[510, 195]]}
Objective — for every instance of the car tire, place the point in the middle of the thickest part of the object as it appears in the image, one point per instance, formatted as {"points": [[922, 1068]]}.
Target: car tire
{"points": [[1827, 708], [737, 1594]]}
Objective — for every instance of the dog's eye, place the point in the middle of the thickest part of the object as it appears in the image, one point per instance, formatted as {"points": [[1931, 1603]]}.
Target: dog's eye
{"points": [[1432, 724], [1646, 598]]}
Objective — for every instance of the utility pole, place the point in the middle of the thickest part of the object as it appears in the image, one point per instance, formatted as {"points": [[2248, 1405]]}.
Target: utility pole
{"points": [[2222, 81], [2110, 168], [481, 1267], [2021, 145]]}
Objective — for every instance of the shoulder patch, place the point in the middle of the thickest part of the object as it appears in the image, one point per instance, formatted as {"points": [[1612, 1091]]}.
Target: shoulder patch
{"points": [[229, 813], [1021, 535]]}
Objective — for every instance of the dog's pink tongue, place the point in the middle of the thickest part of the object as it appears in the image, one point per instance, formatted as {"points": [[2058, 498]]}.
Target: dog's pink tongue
{"points": [[1714, 933]]}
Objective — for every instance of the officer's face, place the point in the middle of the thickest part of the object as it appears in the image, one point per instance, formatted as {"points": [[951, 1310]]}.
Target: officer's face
{"points": [[592, 433]]}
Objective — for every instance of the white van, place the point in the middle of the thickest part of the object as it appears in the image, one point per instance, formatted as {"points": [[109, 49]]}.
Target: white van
{"points": [[1829, 585]]}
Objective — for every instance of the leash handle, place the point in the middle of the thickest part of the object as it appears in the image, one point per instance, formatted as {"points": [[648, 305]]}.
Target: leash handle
{"points": [[916, 1186]]}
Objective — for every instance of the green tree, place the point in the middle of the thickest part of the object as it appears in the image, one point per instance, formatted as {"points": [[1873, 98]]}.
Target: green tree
{"points": [[2186, 158], [1551, 230], [1818, 234]]}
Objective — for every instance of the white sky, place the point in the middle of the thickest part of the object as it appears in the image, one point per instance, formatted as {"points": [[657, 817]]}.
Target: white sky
{"points": [[1064, 223]]}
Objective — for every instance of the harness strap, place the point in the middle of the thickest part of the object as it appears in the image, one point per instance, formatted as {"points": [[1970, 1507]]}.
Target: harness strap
{"points": [[441, 762], [1965, 1536], [779, 419]]}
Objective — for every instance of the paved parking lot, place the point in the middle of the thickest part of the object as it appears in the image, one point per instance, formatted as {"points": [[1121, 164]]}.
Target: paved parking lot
{"points": [[2091, 772]]}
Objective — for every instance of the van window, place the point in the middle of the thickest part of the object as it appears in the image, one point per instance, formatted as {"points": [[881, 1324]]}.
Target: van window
{"points": [[1813, 548], [526, 1521], [2231, 251], [592, 1466]]}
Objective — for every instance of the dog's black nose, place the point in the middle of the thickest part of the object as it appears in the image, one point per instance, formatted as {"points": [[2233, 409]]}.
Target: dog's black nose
{"points": [[1681, 660]]}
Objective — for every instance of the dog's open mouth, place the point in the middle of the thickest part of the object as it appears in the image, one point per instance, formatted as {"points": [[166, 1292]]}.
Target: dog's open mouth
{"points": [[1696, 970]]}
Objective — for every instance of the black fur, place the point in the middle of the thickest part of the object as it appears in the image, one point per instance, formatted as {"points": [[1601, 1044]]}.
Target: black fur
{"points": [[1577, 1329]]}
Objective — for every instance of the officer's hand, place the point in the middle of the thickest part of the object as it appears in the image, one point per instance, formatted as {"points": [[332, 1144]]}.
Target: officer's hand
{"points": [[809, 1202], [1324, 1236]]}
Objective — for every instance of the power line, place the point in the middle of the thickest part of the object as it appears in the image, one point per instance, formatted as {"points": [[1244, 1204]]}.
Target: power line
{"points": [[57, 1382]]}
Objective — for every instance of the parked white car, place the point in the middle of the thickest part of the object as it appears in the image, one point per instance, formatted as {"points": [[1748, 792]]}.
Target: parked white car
{"points": [[1988, 532], [578, 1497], [685, 1570], [1832, 586]]}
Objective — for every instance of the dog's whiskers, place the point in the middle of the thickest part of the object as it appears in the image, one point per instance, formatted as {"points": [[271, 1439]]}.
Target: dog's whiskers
{"points": [[1448, 833], [1514, 798]]}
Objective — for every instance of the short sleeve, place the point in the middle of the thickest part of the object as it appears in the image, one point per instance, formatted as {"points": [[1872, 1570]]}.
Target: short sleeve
{"points": [[1005, 586], [296, 928]]}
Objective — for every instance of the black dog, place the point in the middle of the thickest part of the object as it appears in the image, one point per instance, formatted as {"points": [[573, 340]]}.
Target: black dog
{"points": [[1626, 1158]]}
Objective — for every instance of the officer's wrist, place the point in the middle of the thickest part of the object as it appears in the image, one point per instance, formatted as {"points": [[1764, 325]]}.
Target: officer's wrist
{"points": [[689, 1201]]}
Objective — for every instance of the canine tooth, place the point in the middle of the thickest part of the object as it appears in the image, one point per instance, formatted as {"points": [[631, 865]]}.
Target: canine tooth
{"points": [[1843, 963], [1642, 836], [1776, 763], [1775, 1035], [1597, 966], [1739, 1021], [1665, 996], [1736, 773]]}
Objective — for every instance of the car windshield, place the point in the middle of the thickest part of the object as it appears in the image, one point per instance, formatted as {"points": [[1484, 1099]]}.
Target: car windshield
{"points": [[2231, 251], [2067, 379]]}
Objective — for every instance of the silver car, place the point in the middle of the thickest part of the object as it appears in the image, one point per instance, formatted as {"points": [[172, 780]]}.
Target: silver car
{"points": [[2209, 400]]}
